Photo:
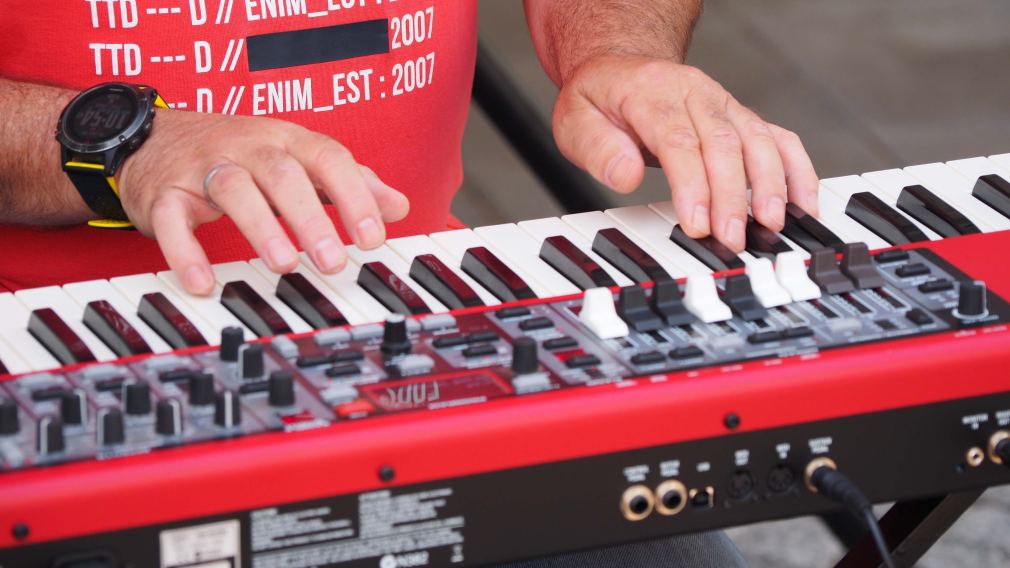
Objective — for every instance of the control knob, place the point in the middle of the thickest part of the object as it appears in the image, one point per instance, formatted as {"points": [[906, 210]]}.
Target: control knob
{"points": [[395, 340], [137, 399], [111, 427], [168, 418], [971, 301], [281, 389], [201, 389], [524, 356], [10, 423], [232, 339]]}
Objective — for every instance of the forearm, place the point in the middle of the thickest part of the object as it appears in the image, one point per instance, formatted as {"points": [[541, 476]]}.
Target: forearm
{"points": [[567, 32], [33, 188]]}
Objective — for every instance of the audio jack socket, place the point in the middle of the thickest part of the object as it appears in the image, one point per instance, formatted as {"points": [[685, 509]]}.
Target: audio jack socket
{"points": [[814, 465], [637, 503], [671, 497], [999, 447]]}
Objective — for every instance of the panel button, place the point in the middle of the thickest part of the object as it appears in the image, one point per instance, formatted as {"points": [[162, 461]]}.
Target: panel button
{"points": [[918, 317], [512, 312], [686, 352], [539, 322], [648, 358], [342, 370], [480, 350], [762, 337], [556, 343], [582, 361], [356, 409], [415, 364], [449, 341], [893, 255], [483, 336], [798, 332], [938, 285], [438, 321], [912, 270]]}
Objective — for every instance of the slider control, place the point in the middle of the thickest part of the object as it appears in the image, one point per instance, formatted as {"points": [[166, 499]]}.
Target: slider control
{"points": [[792, 275], [600, 316], [702, 299]]}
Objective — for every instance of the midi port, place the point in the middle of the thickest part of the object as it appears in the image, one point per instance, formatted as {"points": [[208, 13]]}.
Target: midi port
{"points": [[702, 498], [781, 478], [671, 497], [637, 502], [741, 485], [998, 443]]}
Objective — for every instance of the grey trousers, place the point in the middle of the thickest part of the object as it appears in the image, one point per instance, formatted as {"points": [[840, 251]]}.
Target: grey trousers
{"points": [[704, 550]]}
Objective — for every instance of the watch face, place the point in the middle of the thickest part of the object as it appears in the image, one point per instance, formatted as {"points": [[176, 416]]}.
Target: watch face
{"points": [[101, 116]]}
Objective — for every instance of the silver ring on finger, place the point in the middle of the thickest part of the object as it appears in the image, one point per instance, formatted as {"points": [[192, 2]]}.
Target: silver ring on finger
{"points": [[206, 185]]}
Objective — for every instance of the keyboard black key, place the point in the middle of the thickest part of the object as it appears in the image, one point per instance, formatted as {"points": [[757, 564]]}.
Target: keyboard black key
{"points": [[762, 241], [933, 212], [994, 191], [487, 269], [167, 321], [443, 283], [3, 369], [869, 211], [57, 337], [309, 303], [379, 281], [709, 251], [575, 265], [114, 330], [805, 230], [617, 249], [252, 310]]}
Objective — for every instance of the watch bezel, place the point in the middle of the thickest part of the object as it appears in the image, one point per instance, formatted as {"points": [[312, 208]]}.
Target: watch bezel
{"points": [[144, 100]]}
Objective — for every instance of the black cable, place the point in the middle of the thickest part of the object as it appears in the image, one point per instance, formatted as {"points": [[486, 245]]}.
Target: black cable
{"points": [[834, 485]]}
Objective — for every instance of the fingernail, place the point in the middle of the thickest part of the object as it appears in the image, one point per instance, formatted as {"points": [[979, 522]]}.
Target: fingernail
{"points": [[618, 172], [280, 253], [699, 219], [329, 256], [776, 209], [369, 234], [735, 234], [199, 279]]}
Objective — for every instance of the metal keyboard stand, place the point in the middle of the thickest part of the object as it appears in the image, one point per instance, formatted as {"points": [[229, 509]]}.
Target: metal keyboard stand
{"points": [[911, 528], [519, 122]]}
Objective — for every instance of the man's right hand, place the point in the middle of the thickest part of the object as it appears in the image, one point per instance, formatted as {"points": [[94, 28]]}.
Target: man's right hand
{"points": [[253, 167]]}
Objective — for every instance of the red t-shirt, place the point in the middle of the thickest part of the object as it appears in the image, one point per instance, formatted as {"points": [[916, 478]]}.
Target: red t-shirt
{"points": [[389, 79]]}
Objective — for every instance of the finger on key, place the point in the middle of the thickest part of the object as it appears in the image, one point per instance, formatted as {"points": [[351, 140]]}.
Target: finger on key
{"points": [[235, 192], [331, 167], [667, 131], [284, 181], [594, 143], [801, 178], [393, 205], [763, 166], [722, 150], [172, 223]]}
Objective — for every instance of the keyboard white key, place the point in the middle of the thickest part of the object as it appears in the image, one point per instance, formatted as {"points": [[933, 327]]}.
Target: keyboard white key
{"points": [[134, 287], [386, 256], [92, 290], [457, 242], [955, 189], [590, 223], [345, 285], [14, 333], [666, 211], [844, 187], [1001, 160], [69, 311], [209, 306], [346, 308], [832, 215], [541, 229], [244, 272], [974, 168], [11, 360], [651, 228], [519, 249], [410, 247]]}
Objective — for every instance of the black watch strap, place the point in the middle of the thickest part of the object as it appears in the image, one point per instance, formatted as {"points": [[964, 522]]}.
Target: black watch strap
{"points": [[99, 193]]}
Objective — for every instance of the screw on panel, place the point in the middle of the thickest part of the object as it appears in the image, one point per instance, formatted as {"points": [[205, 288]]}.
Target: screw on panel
{"points": [[732, 421], [20, 531], [387, 473]]}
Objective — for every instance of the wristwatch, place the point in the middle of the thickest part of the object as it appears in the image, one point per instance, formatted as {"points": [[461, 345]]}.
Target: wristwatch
{"points": [[97, 131]]}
